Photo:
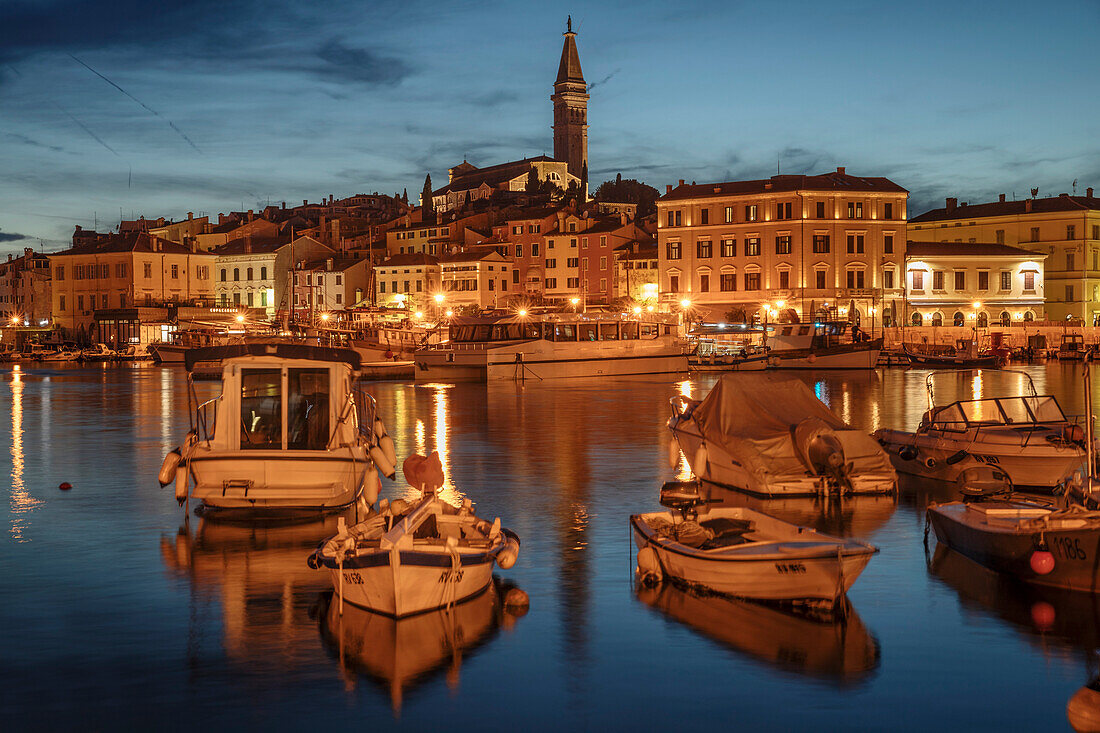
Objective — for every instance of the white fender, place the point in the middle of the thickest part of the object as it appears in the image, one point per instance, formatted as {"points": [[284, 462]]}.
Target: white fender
{"points": [[699, 463], [386, 444], [384, 465], [649, 565], [182, 480], [673, 453], [379, 429], [168, 469], [371, 485], [507, 557]]}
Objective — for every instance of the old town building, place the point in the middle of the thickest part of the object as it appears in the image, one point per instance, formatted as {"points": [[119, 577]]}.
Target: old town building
{"points": [[25, 289], [1065, 229], [481, 277], [804, 243], [329, 285], [409, 280]]}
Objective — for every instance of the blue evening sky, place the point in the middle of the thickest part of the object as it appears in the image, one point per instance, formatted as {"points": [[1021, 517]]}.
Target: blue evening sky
{"points": [[214, 105]]}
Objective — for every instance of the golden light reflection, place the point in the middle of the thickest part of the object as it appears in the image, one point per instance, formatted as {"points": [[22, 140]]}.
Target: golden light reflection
{"points": [[976, 385], [419, 432], [685, 388], [22, 503], [449, 493]]}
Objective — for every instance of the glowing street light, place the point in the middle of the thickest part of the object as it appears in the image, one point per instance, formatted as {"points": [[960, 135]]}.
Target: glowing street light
{"points": [[450, 313], [779, 304], [574, 301], [637, 310], [419, 315], [324, 316], [649, 308], [685, 303], [240, 318], [522, 312], [15, 320], [439, 298]]}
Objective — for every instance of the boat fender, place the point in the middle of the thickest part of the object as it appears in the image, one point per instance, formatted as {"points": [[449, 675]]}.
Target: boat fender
{"points": [[673, 453], [649, 567], [386, 444], [516, 602], [372, 485], [930, 462], [907, 453], [699, 464], [314, 561], [181, 483], [1073, 434], [168, 468], [954, 458], [507, 557], [399, 507], [384, 464], [1042, 562]]}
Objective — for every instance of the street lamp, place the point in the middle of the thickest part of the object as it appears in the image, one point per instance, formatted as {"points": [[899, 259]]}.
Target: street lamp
{"points": [[324, 317], [240, 318], [637, 310], [449, 313], [439, 298]]}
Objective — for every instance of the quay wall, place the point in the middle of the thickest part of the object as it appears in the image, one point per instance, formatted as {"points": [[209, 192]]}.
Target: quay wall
{"points": [[1013, 336]]}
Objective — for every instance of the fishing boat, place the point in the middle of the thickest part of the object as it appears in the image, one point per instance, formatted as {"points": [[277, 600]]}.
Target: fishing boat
{"points": [[60, 355], [1072, 348], [551, 346], [1025, 435], [746, 554], [291, 431], [771, 436], [821, 345], [963, 355], [97, 352], [406, 560]]}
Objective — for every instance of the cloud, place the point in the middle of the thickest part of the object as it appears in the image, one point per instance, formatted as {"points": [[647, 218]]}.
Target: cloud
{"points": [[30, 142], [343, 63], [604, 80], [495, 98], [4, 237]]}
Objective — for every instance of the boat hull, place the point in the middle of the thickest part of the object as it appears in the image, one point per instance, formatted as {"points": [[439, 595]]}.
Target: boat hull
{"points": [[747, 364], [493, 367], [167, 353], [952, 362], [1008, 549], [862, 355]]}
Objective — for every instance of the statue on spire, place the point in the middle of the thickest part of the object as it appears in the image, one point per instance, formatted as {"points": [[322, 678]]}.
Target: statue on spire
{"points": [[569, 24]]}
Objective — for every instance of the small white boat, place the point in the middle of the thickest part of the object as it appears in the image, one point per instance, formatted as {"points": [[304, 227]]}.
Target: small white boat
{"points": [[820, 345], [292, 431], [1025, 435], [742, 553], [61, 355], [771, 436], [401, 562], [98, 352]]}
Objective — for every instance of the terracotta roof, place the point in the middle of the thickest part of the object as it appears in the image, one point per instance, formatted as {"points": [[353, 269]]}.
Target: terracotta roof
{"points": [[966, 249], [835, 181], [339, 264], [253, 245], [471, 256], [418, 258], [492, 176], [127, 242], [1010, 208]]}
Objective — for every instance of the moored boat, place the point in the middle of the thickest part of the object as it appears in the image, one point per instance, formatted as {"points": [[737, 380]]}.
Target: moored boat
{"points": [[821, 345], [964, 355], [746, 554], [1072, 348]]}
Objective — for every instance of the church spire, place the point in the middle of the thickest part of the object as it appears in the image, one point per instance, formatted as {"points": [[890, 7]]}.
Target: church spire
{"points": [[571, 107]]}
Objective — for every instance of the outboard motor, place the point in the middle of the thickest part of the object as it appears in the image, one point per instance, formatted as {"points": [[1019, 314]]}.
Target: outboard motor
{"points": [[981, 482], [823, 453]]}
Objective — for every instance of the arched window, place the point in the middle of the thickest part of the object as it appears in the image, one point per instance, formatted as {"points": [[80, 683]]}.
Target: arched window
{"points": [[917, 319], [223, 274], [958, 319], [983, 320], [1029, 316], [248, 274], [1006, 320], [937, 319], [236, 274]]}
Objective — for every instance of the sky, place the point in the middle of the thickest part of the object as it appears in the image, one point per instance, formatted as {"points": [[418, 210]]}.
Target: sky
{"points": [[114, 109]]}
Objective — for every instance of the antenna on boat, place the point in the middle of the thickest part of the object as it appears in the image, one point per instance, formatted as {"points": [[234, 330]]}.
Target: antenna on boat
{"points": [[1088, 426]]}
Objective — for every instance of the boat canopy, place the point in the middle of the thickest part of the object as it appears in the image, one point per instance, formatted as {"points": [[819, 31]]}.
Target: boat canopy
{"points": [[768, 424], [281, 351], [1016, 411]]}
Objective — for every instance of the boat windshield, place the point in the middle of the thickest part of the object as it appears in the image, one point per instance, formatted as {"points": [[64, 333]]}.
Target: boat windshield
{"points": [[999, 411]]}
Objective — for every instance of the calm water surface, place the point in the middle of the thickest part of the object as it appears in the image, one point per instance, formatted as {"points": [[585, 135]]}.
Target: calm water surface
{"points": [[119, 611]]}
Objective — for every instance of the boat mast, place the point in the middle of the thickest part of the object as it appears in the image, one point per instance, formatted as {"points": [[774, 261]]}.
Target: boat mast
{"points": [[1088, 424]]}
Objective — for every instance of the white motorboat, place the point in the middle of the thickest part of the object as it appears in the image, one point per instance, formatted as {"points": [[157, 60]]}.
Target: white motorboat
{"points": [[60, 355], [520, 347], [771, 436], [291, 431], [820, 345], [1027, 436], [98, 352], [739, 552], [405, 561]]}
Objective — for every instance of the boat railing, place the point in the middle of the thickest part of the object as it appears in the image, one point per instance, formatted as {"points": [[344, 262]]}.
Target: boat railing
{"points": [[365, 409], [206, 416]]}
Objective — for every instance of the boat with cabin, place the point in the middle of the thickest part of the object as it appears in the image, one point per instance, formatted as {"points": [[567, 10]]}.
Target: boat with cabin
{"points": [[771, 436], [1072, 347], [965, 354], [1025, 435], [551, 346], [821, 345], [292, 431]]}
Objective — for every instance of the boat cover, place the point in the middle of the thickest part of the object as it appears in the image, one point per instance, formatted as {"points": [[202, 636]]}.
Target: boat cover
{"points": [[756, 418]]}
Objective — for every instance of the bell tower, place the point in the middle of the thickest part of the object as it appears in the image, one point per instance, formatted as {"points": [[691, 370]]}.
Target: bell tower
{"points": [[571, 109]]}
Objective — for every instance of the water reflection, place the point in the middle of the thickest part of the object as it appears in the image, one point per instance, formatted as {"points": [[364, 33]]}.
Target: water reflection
{"points": [[858, 515], [399, 654], [840, 651], [22, 503]]}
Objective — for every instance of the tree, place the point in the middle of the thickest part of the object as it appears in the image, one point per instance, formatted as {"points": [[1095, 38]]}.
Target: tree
{"points": [[426, 203], [629, 191]]}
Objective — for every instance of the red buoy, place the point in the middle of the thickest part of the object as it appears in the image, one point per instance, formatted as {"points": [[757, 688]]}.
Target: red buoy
{"points": [[1042, 562], [65, 486]]}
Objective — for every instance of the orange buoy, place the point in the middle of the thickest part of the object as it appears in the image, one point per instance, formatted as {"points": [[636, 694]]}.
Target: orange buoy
{"points": [[1042, 562]]}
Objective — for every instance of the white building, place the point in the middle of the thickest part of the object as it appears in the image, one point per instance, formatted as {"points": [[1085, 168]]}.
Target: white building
{"points": [[481, 278]]}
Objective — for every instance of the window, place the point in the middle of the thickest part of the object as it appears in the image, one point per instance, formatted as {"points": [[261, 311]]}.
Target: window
{"points": [[248, 274], [784, 279], [1071, 231], [59, 273], [572, 262], [1096, 231], [261, 409], [704, 217], [729, 247], [704, 283], [855, 209], [983, 280], [492, 284], [917, 319], [1034, 234], [855, 279], [603, 263], [263, 298], [248, 298], [752, 246], [1069, 293], [888, 279], [729, 218], [551, 263], [820, 213], [534, 249], [1000, 234], [1006, 320], [672, 250], [1070, 261], [728, 282], [573, 283], [855, 244], [783, 210], [819, 279], [937, 280], [584, 242], [704, 250], [960, 280], [888, 243], [603, 240], [236, 274], [888, 210], [405, 285], [674, 283], [61, 303], [381, 286], [550, 244], [573, 242], [519, 251], [551, 283], [515, 276], [80, 302], [783, 244], [752, 281], [821, 244], [517, 229], [120, 269], [104, 271], [340, 278], [175, 272], [531, 229], [750, 212], [420, 285]]}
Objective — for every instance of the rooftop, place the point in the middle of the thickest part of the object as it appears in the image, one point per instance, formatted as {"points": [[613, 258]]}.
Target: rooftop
{"points": [[966, 249], [838, 180], [1052, 204], [127, 242]]}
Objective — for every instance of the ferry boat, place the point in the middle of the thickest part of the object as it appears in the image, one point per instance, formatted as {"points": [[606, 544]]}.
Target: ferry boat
{"points": [[291, 431], [820, 345], [552, 346]]}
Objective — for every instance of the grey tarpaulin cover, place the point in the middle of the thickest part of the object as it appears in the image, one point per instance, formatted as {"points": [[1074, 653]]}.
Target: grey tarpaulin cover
{"points": [[755, 419]]}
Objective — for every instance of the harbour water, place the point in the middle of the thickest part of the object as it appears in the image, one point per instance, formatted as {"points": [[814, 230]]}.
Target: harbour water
{"points": [[121, 612]]}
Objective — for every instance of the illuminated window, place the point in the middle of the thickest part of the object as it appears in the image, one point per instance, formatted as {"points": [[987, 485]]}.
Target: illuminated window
{"points": [[752, 281], [672, 250], [728, 281], [750, 212], [783, 244], [821, 244], [752, 247], [704, 249], [729, 247], [729, 217]]}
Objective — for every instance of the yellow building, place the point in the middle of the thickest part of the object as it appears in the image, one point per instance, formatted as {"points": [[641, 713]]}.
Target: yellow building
{"points": [[788, 242], [120, 271], [1064, 228]]}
